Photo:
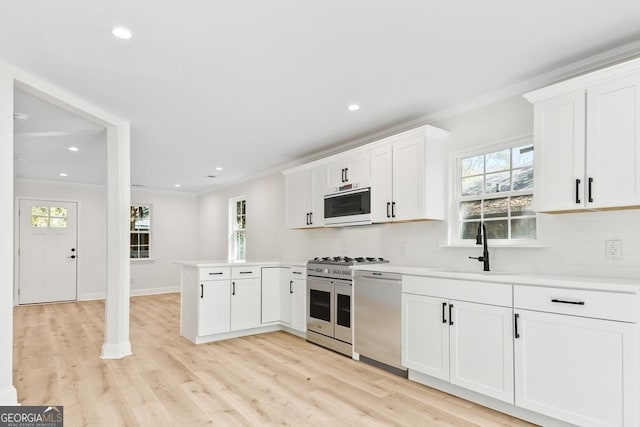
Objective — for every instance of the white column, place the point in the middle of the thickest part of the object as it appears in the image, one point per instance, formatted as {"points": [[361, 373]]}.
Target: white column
{"points": [[8, 395], [116, 341]]}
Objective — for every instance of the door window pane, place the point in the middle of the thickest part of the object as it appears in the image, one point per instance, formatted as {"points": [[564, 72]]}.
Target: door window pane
{"points": [[140, 231]]}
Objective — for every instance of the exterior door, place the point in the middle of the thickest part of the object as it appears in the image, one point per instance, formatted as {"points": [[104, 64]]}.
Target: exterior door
{"points": [[47, 251]]}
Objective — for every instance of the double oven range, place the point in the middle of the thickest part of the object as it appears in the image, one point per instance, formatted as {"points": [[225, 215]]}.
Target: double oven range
{"points": [[329, 301]]}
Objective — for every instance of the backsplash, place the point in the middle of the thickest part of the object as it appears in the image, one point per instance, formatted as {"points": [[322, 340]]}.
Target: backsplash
{"points": [[574, 244]]}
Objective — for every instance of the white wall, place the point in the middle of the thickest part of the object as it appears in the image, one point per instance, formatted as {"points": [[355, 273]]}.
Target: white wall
{"points": [[174, 234], [174, 223], [265, 219], [574, 243]]}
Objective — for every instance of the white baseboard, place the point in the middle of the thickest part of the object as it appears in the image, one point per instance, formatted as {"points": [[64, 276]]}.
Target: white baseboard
{"points": [[116, 351], [9, 396], [89, 296]]}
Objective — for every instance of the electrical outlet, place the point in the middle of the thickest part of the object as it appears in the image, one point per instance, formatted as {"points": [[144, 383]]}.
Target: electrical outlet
{"points": [[612, 249]]}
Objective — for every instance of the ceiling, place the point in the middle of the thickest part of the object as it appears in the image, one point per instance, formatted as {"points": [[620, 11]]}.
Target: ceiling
{"points": [[251, 85]]}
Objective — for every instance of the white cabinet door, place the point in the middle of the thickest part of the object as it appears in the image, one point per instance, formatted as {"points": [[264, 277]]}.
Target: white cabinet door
{"points": [[245, 304], [559, 140], [299, 304], [286, 297], [381, 183], [213, 307], [354, 168], [298, 193], [481, 349], [272, 279], [425, 335], [316, 197], [408, 179], [580, 370], [613, 143]]}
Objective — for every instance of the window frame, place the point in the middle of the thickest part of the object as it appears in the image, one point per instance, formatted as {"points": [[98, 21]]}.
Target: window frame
{"points": [[455, 221], [232, 254], [149, 233]]}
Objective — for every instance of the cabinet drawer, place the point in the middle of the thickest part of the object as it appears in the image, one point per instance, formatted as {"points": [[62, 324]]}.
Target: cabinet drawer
{"points": [[577, 302], [298, 272], [462, 290], [245, 272], [214, 273]]}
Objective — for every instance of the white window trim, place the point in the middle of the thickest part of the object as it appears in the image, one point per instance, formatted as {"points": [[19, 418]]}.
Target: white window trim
{"points": [[150, 258], [231, 256], [453, 241]]}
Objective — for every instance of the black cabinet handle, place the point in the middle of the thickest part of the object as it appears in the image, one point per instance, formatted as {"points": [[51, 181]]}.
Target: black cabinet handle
{"points": [[516, 316], [346, 174], [310, 218], [343, 175], [444, 307], [590, 182], [246, 272], [393, 209], [233, 288], [297, 272], [578, 191], [450, 316], [290, 286], [201, 290], [563, 301], [307, 218], [388, 206], [215, 273]]}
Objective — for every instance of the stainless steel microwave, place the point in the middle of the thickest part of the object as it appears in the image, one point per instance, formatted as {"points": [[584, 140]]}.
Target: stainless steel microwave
{"points": [[351, 205]]}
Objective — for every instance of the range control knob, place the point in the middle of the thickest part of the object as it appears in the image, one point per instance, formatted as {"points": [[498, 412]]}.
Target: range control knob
{"points": [[355, 185]]}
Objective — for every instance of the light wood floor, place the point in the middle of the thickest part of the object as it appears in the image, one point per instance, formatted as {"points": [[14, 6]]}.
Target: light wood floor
{"points": [[267, 379]]}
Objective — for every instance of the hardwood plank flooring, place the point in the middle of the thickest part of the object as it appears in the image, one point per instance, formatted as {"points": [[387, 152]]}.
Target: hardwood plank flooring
{"points": [[267, 379]]}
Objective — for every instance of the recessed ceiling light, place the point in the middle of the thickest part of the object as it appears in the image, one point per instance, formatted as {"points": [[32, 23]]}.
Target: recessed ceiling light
{"points": [[353, 107], [63, 174], [72, 148], [218, 168], [177, 185], [121, 33]]}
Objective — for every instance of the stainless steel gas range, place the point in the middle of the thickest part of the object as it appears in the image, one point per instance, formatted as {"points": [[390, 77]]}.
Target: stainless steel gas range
{"points": [[329, 301]]}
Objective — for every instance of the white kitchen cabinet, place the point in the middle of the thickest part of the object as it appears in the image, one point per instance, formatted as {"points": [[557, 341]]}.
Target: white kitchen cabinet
{"points": [[246, 298], [408, 176], [350, 168], [293, 310], [213, 307], [305, 198], [469, 344], [204, 301], [298, 295], [571, 362], [425, 335], [587, 142], [272, 281]]}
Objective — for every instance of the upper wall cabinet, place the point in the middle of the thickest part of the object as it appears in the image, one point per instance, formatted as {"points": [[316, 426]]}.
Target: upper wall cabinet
{"points": [[352, 168], [305, 198], [408, 174], [587, 141]]}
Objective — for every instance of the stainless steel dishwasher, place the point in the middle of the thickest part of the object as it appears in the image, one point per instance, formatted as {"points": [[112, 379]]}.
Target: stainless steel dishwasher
{"points": [[377, 319]]}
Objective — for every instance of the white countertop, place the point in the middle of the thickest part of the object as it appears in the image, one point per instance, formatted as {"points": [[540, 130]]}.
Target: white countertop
{"points": [[572, 282], [224, 263]]}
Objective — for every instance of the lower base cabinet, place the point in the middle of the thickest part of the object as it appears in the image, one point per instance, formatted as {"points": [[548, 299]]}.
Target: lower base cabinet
{"points": [[246, 301], [467, 344], [577, 369], [213, 307]]}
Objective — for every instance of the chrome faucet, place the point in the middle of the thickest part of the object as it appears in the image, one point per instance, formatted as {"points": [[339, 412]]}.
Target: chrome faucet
{"points": [[481, 239]]}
